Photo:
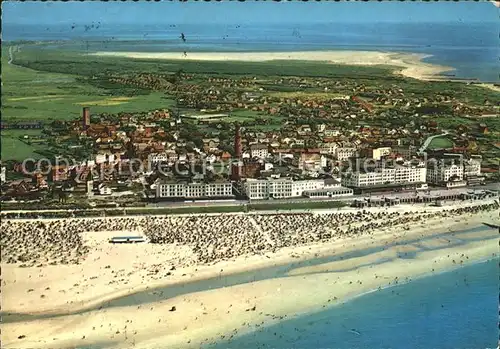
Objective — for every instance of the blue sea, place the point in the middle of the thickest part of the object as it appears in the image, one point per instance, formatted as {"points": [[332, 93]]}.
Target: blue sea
{"points": [[472, 49], [456, 309]]}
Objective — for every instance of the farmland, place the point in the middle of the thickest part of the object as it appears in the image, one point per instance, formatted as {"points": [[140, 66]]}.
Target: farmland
{"points": [[29, 94], [45, 85]]}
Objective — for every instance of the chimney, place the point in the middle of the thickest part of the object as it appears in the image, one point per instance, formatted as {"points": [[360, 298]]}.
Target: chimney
{"points": [[237, 141], [86, 117], [236, 167]]}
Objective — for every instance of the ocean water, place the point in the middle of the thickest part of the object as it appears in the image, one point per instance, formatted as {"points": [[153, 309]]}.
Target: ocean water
{"points": [[455, 309], [458, 238], [471, 49]]}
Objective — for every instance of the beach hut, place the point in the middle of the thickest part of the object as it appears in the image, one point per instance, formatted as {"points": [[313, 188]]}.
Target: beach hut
{"points": [[127, 239]]}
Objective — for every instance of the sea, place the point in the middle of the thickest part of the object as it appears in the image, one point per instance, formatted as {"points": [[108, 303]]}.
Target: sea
{"points": [[457, 309], [470, 48]]}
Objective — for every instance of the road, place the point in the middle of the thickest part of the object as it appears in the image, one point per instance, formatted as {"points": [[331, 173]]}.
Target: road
{"points": [[490, 186]]}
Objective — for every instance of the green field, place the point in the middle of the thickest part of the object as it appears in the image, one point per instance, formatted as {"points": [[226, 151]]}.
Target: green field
{"points": [[28, 94], [15, 148], [440, 142], [71, 59], [54, 84]]}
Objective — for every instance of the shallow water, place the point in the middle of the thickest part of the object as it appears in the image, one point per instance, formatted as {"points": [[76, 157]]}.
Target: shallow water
{"points": [[456, 309], [279, 271]]}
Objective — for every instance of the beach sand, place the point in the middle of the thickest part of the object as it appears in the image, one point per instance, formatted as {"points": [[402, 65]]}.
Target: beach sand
{"points": [[406, 64], [206, 316]]}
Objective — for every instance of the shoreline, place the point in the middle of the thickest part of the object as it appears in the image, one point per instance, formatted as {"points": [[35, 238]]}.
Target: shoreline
{"points": [[257, 263], [209, 322], [296, 305], [410, 64]]}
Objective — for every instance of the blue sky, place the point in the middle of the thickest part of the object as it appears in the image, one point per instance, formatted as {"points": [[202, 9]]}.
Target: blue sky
{"points": [[245, 13]]}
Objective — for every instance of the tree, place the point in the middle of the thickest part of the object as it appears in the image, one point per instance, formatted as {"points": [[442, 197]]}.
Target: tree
{"points": [[198, 142], [128, 129], [227, 148], [224, 135]]}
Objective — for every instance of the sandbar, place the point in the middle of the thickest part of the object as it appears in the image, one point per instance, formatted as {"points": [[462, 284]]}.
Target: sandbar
{"points": [[406, 64], [113, 271]]}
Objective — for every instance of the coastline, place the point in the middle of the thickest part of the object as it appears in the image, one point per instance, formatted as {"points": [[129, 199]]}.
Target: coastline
{"points": [[410, 64], [196, 310]]}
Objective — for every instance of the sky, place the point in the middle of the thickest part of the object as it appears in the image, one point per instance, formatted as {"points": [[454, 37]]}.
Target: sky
{"points": [[250, 12]]}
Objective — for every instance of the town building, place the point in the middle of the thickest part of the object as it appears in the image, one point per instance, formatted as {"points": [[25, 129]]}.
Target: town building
{"points": [[344, 153], [472, 166], [58, 173], [103, 189], [311, 161], [184, 190], [250, 170], [259, 151], [445, 172], [156, 158], [329, 192], [283, 188], [399, 174], [328, 148], [3, 174], [378, 153], [406, 152], [472, 170]]}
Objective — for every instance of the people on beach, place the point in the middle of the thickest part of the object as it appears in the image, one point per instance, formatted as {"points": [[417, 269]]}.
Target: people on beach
{"points": [[211, 237]]}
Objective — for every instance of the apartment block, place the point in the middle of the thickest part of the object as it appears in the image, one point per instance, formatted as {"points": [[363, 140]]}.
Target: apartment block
{"points": [[259, 151], [385, 176], [282, 188], [343, 154], [442, 172], [193, 190]]}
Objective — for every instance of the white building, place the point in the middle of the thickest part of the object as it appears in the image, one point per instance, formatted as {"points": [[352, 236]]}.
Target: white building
{"points": [[385, 176], [259, 151], [281, 188], [378, 153], [311, 161], [299, 187], [328, 148], [329, 192], [100, 158], [194, 190], [104, 189], [472, 167], [219, 189], [441, 172], [268, 166], [256, 189], [3, 174], [406, 152], [343, 153], [332, 133], [155, 158]]}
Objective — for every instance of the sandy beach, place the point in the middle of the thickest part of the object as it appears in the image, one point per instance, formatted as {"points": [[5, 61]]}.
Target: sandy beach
{"points": [[191, 318], [406, 64]]}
